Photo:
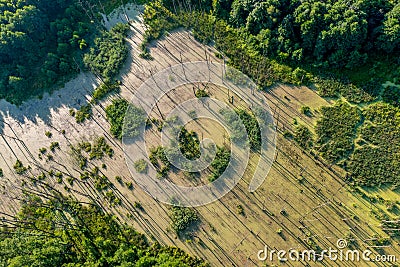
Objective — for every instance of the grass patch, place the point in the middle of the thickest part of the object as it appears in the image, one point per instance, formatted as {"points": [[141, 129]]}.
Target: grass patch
{"points": [[336, 131]]}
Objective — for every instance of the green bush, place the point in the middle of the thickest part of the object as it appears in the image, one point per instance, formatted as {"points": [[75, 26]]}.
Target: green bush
{"points": [[84, 113], [375, 160], [189, 144], [140, 166], [109, 52], [201, 93], [104, 89], [116, 113], [19, 167], [182, 218], [54, 145], [303, 136], [220, 163]]}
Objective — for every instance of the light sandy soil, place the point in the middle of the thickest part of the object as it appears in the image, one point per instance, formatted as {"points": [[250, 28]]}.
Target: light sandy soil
{"points": [[319, 207]]}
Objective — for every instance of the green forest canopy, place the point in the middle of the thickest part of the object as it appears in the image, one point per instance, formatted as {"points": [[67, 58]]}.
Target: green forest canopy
{"points": [[338, 33], [38, 42], [43, 43], [62, 232]]}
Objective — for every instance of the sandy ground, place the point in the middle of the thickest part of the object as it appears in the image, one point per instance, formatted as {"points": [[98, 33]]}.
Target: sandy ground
{"points": [[318, 208]]}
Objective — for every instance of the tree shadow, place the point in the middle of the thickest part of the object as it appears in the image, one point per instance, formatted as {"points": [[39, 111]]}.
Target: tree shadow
{"points": [[72, 95]]}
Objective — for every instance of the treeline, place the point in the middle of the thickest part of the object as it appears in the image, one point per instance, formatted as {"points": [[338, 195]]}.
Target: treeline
{"points": [[39, 41], [337, 55], [42, 44], [335, 33], [62, 232]]}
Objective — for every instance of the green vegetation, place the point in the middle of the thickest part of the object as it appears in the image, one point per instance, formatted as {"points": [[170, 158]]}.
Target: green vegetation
{"points": [[182, 218], [99, 148], [366, 143], [345, 51], [159, 160], [118, 179], [240, 210], [333, 87], [140, 166], [95, 150], [201, 93], [54, 145], [189, 144], [306, 110], [303, 136], [109, 52], [391, 95], [252, 128], [220, 163], [19, 167], [116, 113], [46, 43], [1, 172], [84, 113], [104, 89], [250, 124], [376, 158], [336, 131], [83, 236], [40, 41]]}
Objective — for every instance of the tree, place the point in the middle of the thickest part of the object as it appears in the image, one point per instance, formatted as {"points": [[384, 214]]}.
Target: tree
{"points": [[240, 11], [390, 38], [265, 15]]}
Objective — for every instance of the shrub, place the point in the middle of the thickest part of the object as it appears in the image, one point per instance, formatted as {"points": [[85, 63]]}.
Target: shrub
{"points": [[306, 110], [129, 185], [140, 166], [99, 148], [189, 144], [219, 164], [84, 113], [303, 136], [336, 131], [108, 53], [115, 115], [104, 89], [54, 145], [19, 167], [118, 179], [201, 93], [182, 218]]}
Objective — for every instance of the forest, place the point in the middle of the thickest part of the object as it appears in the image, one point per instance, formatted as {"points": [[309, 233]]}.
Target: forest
{"points": [[63, 232], [44, 44]]}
